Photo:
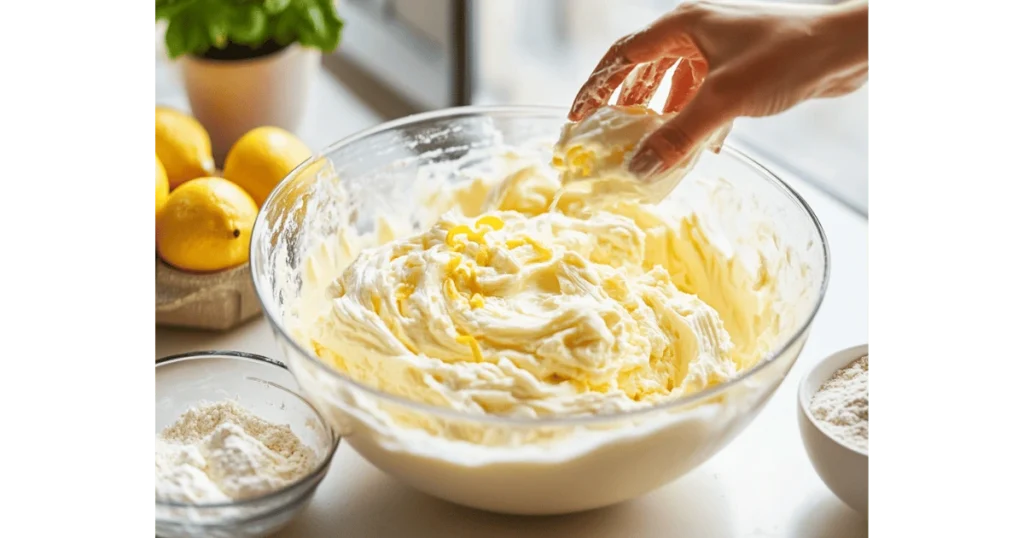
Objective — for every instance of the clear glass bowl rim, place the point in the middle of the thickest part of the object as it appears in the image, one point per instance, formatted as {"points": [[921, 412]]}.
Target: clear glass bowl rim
{"points": [[316, 474], [260, 230]]}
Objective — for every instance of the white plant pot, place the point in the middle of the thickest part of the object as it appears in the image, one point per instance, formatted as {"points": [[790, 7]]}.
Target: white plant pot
{"points": [[230, 97]]}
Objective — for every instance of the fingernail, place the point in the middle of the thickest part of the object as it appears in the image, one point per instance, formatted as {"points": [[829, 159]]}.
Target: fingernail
{"points": [[645, 163]]}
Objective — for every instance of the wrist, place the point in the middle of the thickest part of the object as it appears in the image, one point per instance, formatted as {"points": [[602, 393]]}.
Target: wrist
{"points": [[846, 28]]}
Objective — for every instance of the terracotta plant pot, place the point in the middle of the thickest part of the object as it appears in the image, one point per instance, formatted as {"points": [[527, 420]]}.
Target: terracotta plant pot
{"points": [[231, 96]]}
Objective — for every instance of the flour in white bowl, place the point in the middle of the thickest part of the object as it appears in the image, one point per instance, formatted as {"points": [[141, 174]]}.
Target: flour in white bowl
{"points": [[221, 452], [841, 404]]}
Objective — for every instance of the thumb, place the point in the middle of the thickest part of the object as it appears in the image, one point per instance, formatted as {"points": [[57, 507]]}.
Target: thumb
{"points": [[674, 142]]}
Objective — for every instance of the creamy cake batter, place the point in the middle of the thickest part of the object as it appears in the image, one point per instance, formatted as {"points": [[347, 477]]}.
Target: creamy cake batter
{"points": [[596, 152], [536, 298]]}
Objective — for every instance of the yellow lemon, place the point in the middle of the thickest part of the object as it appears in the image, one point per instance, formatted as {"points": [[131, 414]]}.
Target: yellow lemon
{"points": [[162, 188], [261, 158], [183, 146], [206, 225]]}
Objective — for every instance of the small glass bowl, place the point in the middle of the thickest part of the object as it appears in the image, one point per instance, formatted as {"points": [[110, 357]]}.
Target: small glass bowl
{"points": [[264, 387]]}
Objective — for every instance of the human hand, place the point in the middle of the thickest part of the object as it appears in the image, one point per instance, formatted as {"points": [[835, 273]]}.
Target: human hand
{"points": [[734, 59]]}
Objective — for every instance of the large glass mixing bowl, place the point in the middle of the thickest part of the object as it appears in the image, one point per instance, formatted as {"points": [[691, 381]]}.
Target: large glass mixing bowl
{"points": [[522, 465]]}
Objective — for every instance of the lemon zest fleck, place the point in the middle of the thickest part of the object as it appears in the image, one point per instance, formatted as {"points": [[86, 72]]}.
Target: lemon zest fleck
{"points": [[468, 340]]}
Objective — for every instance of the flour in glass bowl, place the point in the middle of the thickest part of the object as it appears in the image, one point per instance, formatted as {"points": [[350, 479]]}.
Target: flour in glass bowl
{"points": [[220, 452], [841, 404]]}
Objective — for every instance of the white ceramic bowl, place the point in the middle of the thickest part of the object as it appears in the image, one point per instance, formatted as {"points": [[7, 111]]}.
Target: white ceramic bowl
{"points": [[843, 468]]}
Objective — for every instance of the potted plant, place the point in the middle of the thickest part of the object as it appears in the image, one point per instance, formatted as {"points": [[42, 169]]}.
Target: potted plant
{"points": [[248, 63]]}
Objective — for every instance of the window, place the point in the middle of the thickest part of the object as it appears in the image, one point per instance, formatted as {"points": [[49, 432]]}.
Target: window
{"points": [[540, 51], [412, 49]]}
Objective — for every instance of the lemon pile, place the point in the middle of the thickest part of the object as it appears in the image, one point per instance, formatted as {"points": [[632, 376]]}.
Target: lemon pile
{"points": [[204, 222]]}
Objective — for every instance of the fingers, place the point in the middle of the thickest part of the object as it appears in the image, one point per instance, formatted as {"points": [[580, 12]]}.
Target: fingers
{"points": [[607, 76], [680, 137], [665, 38], [718, 138], [845, 82], [643, 81], [686, 80]]}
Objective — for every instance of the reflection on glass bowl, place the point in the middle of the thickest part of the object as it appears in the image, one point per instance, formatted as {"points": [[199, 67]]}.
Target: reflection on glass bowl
{"points": [[524, 465]]}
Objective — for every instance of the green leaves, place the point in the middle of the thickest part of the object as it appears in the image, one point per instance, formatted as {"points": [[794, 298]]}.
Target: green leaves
{"points": [[274, 7], [167, 9], [285, 29], [313, 22], [175, 38], [184, 36], [194, 26], [217, 27], [249, 26]]}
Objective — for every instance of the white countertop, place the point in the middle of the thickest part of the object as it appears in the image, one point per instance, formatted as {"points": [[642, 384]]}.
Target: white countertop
{"points": [[762, 484]]}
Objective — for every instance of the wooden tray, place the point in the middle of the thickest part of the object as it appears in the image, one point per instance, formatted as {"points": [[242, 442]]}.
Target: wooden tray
{"points": [[214, 301]]}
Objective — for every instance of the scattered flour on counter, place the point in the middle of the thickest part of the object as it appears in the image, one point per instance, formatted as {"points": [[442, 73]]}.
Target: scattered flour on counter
{"points": [[841, 404], [221, 452]]}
